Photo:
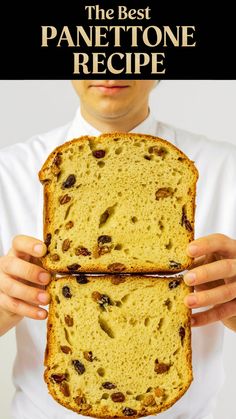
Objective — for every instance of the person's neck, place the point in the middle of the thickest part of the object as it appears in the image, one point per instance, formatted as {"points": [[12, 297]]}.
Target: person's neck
{"points": [[123, 124]]}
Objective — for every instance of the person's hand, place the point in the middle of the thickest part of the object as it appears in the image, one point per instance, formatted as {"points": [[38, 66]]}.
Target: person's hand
{"points": [[23, 280], [214, 279]]}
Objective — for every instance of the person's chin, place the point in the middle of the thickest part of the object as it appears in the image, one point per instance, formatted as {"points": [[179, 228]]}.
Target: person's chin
{"points": [[108, 106]]}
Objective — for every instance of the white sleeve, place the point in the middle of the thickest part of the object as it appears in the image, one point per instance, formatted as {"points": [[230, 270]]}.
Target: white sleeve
{"points": [[1, 249]]}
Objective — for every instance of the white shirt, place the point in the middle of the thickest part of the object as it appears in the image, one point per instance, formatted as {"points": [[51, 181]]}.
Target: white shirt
{"points": [[21, 213]]}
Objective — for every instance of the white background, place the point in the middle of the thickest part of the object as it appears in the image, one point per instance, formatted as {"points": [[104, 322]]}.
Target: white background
{"points": [[32, 107]]}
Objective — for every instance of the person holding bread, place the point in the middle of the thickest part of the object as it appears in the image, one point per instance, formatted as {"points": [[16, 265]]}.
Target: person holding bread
{"points": [[116, 106]]}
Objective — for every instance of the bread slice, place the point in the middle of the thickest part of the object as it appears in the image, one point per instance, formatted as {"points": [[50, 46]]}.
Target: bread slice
{"points": [[118, 346], [118, 203]]}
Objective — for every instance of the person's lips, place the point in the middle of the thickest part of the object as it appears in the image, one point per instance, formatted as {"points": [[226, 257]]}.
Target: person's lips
{"points": [[109, 89]]}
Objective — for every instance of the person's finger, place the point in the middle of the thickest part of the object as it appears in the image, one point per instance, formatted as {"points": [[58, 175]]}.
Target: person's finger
{"points": [[217, 295], [22, 309], [14, 266], [27, 245], [197, 262], [217, 313], [214, 243], [225, 268], [17, 289], [209, 285]]}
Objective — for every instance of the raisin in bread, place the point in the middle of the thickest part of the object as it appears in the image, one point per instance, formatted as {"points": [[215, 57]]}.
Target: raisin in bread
{"points": [[118, 203], [118, 346]]}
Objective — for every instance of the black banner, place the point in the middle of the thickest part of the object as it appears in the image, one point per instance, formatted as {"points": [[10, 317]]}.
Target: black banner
{"points": [[117, 40]]}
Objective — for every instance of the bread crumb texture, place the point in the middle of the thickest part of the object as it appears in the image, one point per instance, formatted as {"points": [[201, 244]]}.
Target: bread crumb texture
{"points": [[118, 203], [118, 346]]}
